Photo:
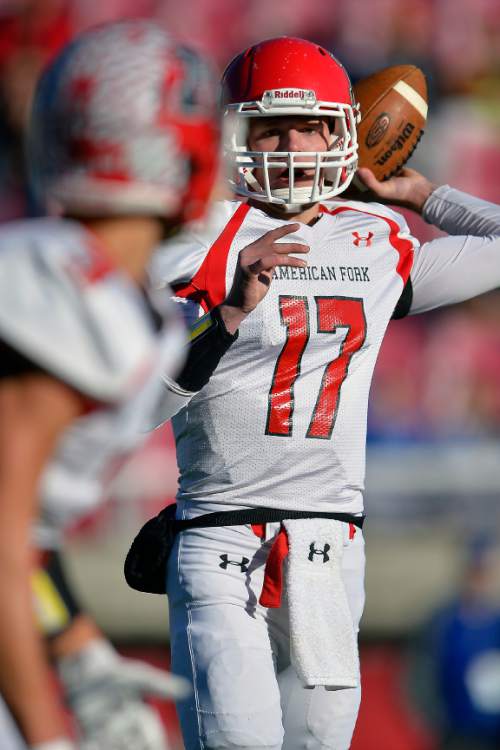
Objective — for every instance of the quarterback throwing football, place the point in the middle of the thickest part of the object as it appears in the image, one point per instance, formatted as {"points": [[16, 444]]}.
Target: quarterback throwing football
{"points": [[261, 612]]}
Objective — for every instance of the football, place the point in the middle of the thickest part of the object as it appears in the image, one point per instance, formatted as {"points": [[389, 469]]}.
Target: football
{"points": [[393, 105]]}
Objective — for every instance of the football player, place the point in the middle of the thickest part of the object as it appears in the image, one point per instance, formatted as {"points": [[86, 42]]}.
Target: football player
{"points": [[276, 440], [123, 145]]}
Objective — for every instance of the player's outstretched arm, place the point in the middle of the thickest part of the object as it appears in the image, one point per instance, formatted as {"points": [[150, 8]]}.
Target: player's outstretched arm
{"points": [[465, 263], [35, 410], [449, 269]]}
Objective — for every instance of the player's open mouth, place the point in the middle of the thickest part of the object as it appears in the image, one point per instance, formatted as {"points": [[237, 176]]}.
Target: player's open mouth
{"points": [[301, 177]]}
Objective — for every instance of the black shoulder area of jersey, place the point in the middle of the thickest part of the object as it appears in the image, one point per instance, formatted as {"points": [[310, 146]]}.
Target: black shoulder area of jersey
{"points": [[404, 302]]}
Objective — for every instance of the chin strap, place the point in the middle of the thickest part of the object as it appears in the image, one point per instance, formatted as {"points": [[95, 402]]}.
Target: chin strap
{"points": [[250, 179]]}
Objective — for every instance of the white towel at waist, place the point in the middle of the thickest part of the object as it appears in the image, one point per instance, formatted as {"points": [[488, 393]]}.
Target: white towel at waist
{"points": [[323, 641]]}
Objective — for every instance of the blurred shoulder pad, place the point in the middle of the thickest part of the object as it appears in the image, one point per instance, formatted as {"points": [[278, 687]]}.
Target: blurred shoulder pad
{"points": [[65, 307]]}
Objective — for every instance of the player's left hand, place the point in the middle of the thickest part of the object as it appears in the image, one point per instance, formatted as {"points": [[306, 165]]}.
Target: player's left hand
{"points": [[106, 692], [254, 272], [408, 188]]}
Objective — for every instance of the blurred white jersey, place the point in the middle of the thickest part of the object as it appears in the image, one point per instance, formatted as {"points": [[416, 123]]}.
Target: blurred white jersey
{"points": [[282, 422], [68, 310]]}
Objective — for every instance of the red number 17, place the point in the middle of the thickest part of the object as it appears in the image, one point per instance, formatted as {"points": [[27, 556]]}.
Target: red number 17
{"points": [[331, 313]]}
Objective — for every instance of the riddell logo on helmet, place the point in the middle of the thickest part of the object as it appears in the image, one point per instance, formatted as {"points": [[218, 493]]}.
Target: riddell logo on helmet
{"points": [[284, 96], [290, 94]]}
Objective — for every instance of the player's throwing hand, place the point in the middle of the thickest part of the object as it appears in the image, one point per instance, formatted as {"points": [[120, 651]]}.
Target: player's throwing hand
{"points": [[408, 188]]}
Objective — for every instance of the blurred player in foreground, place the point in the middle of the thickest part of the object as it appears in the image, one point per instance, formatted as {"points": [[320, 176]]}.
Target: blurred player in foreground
{"points": [[277, 438], [123, 144]]}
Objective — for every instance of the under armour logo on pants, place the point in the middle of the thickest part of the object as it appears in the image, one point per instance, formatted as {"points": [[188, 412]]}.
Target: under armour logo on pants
{"points": [[313, 551], [242, 565]]}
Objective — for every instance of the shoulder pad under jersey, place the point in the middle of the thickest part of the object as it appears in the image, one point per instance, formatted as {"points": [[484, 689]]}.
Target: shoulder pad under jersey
{"points": [[177, 260], [65, 307], [369, 207]]}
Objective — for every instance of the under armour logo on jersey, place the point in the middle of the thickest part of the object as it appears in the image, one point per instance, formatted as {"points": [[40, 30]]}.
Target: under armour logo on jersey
{"points": [[323, 552], [362, 241], [226, 561]]}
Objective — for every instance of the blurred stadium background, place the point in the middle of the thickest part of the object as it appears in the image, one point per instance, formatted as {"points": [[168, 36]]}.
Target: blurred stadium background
{"points": [[433, 472]]}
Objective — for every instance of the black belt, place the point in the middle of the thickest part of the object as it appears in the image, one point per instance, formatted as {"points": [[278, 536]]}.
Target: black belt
{"points": [[259, 515], [146, 562]]}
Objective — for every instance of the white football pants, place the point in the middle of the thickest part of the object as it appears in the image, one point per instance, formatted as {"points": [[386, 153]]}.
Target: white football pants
{"points": [[236, 653]]}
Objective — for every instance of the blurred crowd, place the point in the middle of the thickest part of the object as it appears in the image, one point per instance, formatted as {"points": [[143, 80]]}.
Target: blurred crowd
{"points": [[437, 376], [431, 33]]}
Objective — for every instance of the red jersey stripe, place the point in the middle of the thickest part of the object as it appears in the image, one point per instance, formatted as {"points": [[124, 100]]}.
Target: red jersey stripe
{"points": [[208, 285], [403, 247]]}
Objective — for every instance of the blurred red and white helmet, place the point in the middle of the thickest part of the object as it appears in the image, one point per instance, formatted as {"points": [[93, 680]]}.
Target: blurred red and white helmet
{"points": [[289, 76], [124, 122]]}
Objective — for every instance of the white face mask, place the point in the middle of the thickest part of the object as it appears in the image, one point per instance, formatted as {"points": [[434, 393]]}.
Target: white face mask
{"points": [[333, 168]]}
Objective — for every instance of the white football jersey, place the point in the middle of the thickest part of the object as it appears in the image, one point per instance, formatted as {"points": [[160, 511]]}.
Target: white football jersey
{"points": [[282, 422], [68, 310]]}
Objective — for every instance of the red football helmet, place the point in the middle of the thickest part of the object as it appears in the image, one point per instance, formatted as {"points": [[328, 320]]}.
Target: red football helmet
{"points": [[288, 76], [124, 122]]}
